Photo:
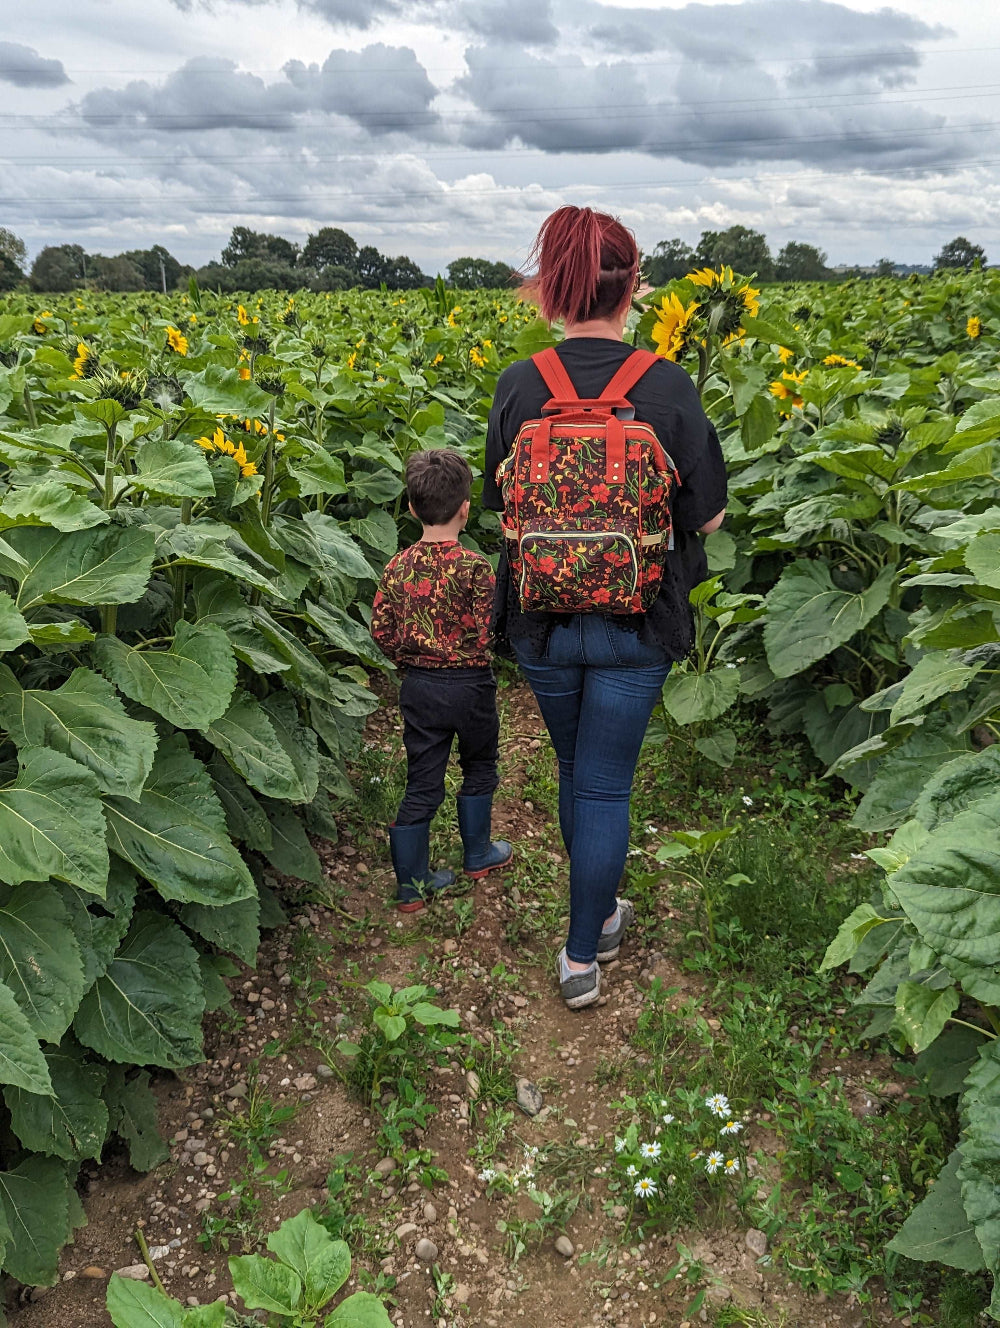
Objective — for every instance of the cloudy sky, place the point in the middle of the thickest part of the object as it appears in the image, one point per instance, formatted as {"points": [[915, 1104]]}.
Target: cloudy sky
{"points": [[445, 127]]}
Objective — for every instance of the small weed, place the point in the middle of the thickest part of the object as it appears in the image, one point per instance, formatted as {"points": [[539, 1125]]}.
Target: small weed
{"points": [[405, 1035]]}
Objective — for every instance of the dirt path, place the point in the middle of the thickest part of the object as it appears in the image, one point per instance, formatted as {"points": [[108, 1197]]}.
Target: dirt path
{"points": [[571, 1057]]}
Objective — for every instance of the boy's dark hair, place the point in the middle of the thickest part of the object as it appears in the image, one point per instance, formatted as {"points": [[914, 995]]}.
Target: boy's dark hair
{"points": [[437, 484]]}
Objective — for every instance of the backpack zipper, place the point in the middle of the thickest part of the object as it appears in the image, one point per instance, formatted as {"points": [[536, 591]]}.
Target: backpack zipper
{"points": [[563, 536]]}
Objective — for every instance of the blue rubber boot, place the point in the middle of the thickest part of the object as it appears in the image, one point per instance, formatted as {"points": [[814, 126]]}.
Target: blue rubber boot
{"points": [[415, 882], [475, 817]]}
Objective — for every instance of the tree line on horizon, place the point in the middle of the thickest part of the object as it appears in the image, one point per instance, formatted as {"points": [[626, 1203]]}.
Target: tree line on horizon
{"points": [[332, 260], [746, 250]]}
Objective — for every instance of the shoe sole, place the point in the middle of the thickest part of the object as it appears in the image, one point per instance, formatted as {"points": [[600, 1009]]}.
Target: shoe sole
{"points": [[606, 956], [480, 872], [580, 1002], [415, 906]]}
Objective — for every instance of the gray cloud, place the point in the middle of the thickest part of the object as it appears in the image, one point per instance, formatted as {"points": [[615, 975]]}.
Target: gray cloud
{"points": [[524, 22], [724, 32], [25, 68], [384, 89]]}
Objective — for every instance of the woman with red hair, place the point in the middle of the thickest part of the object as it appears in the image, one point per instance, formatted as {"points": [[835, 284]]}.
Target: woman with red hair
{"points": [[597, 676]]}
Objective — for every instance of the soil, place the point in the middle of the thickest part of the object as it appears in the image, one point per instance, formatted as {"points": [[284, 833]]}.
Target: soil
{"points": [[560, 1051]]}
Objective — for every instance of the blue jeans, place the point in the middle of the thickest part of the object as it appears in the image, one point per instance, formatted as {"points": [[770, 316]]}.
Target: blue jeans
{"points": [[596, 685]]}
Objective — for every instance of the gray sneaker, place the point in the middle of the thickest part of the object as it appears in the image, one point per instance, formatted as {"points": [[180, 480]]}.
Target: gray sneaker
{"points": [[578, 989], [610, 941]]}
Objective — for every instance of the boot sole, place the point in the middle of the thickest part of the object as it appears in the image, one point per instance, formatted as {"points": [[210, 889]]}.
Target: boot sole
{"points": [[480, 872], [416, 906], [606, 956]]}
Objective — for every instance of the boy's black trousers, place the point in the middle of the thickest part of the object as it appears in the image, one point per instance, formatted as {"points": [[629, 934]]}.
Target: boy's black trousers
{"points": [[437, 705]]}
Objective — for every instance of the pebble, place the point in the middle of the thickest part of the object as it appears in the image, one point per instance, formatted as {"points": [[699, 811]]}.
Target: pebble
{"points": [[305, 1082], [756, 1242], [324, 1072], [405, 1229], [202, 1159], [136, 1272], [94, 1273], [385, 1167], [430, 1213], [564, 1246], [425, 1250], [238, 1090], [461, 1294], [159, 1251], [529, 1097]]}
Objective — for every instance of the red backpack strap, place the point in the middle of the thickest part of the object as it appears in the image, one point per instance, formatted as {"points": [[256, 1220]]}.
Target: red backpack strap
{"points": [[637, 364], [557, 380]]}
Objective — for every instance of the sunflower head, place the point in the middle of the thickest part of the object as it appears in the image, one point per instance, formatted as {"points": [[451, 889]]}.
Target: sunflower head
{"points": [[673, 330], [318, 350], [256, 344], [273, 383], [165, 390], [8, 356], [85, 361], [177, 341], [974, 326]]}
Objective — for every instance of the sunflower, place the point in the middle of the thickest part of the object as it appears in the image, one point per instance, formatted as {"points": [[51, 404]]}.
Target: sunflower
{"points": [[782, 392], [707, 276], [177, 341], [672, 330], [974, 326], [839, 362], [85, 364], [784, 354], [220, 443], [39, 326], [241, 316]]}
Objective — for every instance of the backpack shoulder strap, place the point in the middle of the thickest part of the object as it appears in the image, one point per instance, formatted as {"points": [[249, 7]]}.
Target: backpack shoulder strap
{"points": [[637, 364], [557, 380]]}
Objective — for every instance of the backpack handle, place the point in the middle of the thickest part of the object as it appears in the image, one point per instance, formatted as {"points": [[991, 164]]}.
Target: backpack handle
{"points": [[565, 401]]}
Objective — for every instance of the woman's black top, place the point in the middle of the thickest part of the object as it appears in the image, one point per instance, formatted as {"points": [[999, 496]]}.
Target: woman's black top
{"points": [[665, 398]]}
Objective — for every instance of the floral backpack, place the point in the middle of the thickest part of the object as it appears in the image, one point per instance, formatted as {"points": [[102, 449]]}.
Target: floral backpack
{"points": [[587, 498]]}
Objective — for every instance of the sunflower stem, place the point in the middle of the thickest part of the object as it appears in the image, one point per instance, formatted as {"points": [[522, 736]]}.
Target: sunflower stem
{"points": [[29, 410]]}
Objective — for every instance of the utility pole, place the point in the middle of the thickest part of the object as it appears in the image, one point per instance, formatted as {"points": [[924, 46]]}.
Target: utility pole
{"points": [[163, 274]]}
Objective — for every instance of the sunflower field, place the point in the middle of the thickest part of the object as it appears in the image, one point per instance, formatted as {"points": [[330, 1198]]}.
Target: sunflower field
{"points": [[197, 497]]}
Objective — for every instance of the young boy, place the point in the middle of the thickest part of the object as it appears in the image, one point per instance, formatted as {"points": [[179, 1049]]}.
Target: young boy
{"points": [[431, 616]]}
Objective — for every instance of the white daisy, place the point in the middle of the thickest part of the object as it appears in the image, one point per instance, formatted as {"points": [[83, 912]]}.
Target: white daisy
{"points": [[645, 1187], [718, 1105], [732, 1166], [713, 1162], [650, 1150]]}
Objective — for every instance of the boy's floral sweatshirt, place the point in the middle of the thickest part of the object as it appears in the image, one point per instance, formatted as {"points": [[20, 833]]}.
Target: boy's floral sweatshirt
{"points": [[433, 607]]}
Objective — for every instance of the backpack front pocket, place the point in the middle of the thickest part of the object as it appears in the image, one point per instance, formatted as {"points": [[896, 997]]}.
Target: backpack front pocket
{"points": [[566, 571]]}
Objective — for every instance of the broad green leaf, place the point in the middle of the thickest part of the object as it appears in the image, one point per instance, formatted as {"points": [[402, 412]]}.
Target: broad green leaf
{"points": [[946, 1063], [982, 558], [11, 562], [851, 933], [246, 819], [190, 684], [321, 1262], [35, 1202], [344, 632], [910, 836], [903, 772], [72, 1121], [933, 676], [191, 546], [220, 391], [50, 503], [246, 738], [108, 565], [176, 835], [692, 697], [132, 1114], [318, 541], [99, 925], [980, 1150], [720, 548], [938, 1230], [232, 927], [175, 469], [427, 1014], [134, 1304], [217, 994], [393, 1026], [21, 1060], [319, 472], [378, 530], [290, 851], [205, 1316], [362, 1310], [298, 743], [13, 629], [39, 958], [857, 463], [84, 719], [921, 1013], [51, 823], [147, 1008], [719, 747], [56, 636], [959, 784], [808, 617], [950, 888], [265, 1284]]}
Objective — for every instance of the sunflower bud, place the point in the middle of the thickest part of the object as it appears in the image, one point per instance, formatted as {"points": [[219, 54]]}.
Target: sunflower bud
{"points": [[318, 350], [126, 386], [256, 345], [272, 383], [165, 390], [8, 356]]}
